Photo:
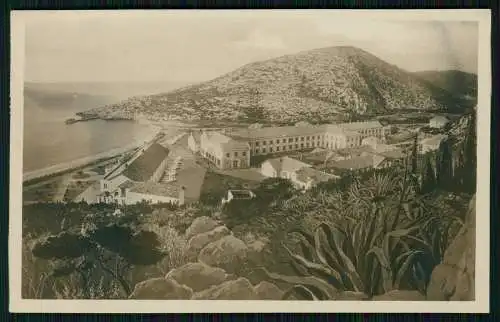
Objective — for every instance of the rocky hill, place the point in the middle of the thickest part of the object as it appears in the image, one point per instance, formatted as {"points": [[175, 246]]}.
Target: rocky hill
{"points": [[319, 85]]}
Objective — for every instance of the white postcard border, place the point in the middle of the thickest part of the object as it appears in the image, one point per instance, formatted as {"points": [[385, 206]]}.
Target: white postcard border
{"points": [[481, 304]]}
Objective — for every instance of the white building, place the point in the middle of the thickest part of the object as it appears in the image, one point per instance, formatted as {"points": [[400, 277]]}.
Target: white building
{"points": [[234, 148], [431, 143], [223, 151], [301, 174], [438, 122], [237, 195], [138, 179]]}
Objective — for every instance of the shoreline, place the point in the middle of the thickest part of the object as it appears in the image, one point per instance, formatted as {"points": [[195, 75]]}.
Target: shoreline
{"points": [[62, 167]]}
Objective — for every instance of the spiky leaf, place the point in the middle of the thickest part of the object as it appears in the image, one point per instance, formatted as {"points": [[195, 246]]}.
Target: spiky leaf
{"points": [[311, 281], [335, 236], [403, 268], [385, 267], [302, 291]]}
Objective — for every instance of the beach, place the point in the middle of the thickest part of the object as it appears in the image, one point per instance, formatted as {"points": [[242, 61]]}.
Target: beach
{"points": [[147, 136]]}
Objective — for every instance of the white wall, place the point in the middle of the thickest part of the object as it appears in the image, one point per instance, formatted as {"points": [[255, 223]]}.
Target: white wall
{"points": [[135, 197], [267, 170], [192, 144], [113, 184]]}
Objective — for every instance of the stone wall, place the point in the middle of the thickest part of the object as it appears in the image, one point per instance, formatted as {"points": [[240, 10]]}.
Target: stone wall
{"points": [[454, 278]]}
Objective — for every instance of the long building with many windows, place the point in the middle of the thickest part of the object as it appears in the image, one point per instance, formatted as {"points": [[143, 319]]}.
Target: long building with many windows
{"points": [[234, 148]]}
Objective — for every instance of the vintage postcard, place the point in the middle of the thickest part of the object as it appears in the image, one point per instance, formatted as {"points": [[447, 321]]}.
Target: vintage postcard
{"points": [[200, 161]]}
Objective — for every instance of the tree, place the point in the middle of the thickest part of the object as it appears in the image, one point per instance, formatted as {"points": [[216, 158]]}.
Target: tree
{"points": [[470, 156], [428, 176], [414, 155], [273, 189], [445, 166], [113, 249]]}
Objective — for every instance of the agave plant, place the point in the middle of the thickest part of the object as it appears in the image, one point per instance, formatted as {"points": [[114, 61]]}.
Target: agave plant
{"points": [[339, 259], [375, 248]]}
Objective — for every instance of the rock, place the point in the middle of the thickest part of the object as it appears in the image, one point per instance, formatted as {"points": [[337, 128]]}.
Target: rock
{"points": [[442, 283], [454, 278], [239, 289], [200, 225], [197, 242], [258, 245], [268, 291], [352, 296], [161, 289], [400, 295], [228, 253], [198, 276], [257, 251]]}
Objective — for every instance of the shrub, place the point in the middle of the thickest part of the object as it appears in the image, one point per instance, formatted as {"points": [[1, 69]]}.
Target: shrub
{"points": [[100, 246]]}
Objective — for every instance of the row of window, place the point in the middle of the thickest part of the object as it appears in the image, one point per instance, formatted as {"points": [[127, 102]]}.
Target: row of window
{"points": [[212, 158], [284, 147], [228, 155], [290, 140], [371, 131], [313, 137]]}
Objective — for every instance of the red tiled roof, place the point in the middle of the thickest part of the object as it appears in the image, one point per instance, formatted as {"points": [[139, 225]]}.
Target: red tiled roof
{"points": [[142, 168]]}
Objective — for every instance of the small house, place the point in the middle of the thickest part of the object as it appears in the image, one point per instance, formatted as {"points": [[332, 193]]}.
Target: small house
{"points": [[438, 122], [237, 195], [307, 177], [431, 144], [284, 167]]}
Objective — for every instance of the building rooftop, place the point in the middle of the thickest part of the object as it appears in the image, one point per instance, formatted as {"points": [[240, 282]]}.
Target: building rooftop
{"points": [[220, 139], [355, 126], [305, 174], [142, 168], [320, 156], [157, 189], [276, 132], [353, 151], [392, 154], [303, 128], [433, 140], [127, 184], [287, 164], [336, 129], [440, 118], [356, 163]]}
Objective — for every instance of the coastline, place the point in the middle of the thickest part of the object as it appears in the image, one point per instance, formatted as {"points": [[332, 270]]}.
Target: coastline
{"points": [[85, 161]]}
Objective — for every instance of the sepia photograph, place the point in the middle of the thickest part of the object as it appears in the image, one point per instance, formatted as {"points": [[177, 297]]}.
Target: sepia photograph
{"points": [[291, 157]]}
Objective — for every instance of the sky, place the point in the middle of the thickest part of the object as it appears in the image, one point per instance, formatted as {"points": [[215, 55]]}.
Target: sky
{"points": [[196, 46]]}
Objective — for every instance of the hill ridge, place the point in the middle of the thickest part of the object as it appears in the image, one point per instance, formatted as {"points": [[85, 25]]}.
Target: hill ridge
{"points": [[318, 85]]}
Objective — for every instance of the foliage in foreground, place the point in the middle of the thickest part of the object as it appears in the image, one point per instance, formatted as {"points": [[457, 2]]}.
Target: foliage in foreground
{"points": [[112, 248], [387, 236]]}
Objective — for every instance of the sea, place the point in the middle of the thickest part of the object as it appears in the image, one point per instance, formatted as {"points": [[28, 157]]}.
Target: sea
{"points": [[48, 141]]}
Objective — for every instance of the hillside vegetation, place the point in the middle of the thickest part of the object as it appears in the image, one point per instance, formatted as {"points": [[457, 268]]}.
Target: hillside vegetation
{"points": [[321, 85]]}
